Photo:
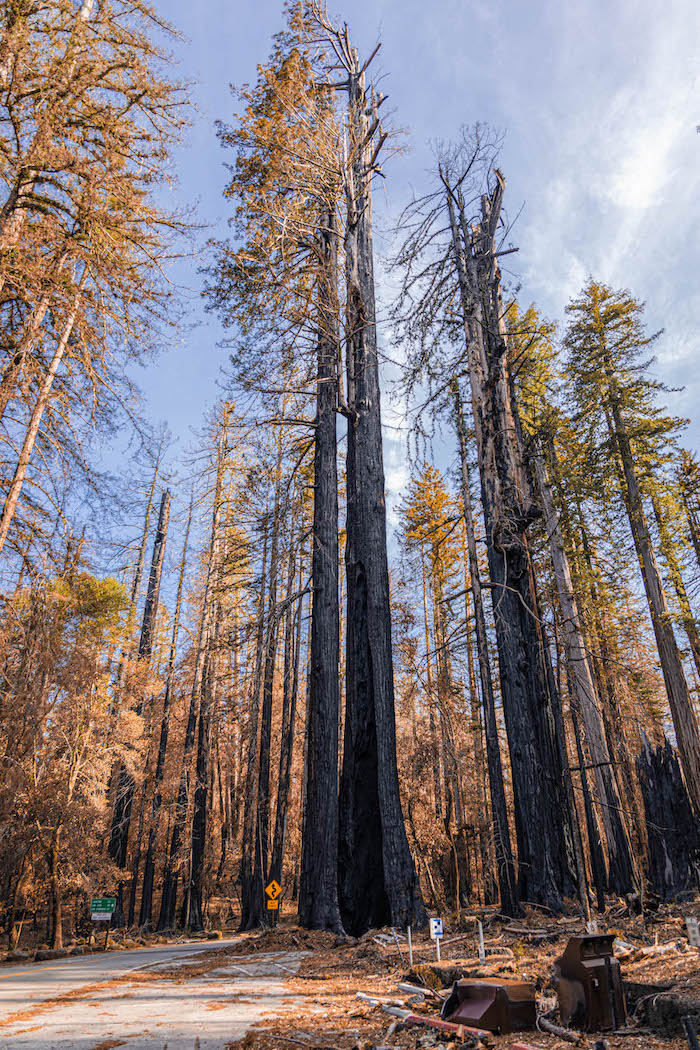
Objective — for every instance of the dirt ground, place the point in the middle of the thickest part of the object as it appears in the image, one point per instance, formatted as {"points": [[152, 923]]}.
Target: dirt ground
{"points": [[653, 950]]}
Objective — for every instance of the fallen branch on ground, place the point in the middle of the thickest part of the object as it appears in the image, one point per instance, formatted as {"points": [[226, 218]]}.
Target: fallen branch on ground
{"points": [[567, 1034]]}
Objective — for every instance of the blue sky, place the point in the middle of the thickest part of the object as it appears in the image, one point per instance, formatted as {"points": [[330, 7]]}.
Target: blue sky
{"points": [[599, 101]]}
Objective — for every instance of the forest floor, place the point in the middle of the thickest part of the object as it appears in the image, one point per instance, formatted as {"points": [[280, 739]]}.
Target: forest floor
{"points": [[328, 1015], [287, 987]]}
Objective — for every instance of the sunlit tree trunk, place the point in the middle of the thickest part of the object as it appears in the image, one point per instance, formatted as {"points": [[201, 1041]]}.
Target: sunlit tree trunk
{"points": [[682, 713], [10, 506], [621, 872]]}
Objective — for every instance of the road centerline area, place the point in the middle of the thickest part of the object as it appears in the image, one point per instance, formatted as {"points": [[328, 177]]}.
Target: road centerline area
{"points": [[147, 997]]}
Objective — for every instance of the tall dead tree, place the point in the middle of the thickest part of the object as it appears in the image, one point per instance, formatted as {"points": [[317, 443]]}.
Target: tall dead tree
{"points": [[292, 645], [318, 891], [499, 807], [252, 897], [195, 891], [171, 874], [543, 821], [270, 661], [121, 816], [377, 877], [149, 864]]}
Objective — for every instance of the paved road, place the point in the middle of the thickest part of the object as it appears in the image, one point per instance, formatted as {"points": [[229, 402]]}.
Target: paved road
{"points": [[31, 983], [150, 999]]}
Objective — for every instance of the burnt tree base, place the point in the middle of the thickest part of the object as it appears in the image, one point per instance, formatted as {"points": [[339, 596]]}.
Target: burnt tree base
{"points": [[672, 824]]}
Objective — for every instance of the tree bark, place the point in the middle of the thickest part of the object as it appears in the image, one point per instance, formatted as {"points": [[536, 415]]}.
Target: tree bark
{"points": [[252, 903], [318, 888], [595, 848], [621, 870], [55, 918], [689, 622], [431, 693], [674, 840], [682, 713], [121, 816], [543, 821], [171, 874], [271, 643], [292, 641], [10, 506], [201, 791], [499, 807], [378, 883]]}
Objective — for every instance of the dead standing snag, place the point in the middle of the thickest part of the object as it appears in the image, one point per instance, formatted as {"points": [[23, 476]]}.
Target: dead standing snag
{"points": [[378, 883]]}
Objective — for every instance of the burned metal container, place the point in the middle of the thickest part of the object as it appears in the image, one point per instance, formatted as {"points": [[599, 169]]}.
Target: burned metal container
{"points": [[498, 1005], [589, 984]]}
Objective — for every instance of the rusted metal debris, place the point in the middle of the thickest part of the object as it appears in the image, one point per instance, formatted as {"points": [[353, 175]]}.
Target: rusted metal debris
{"points": [[408, 1018], [498, 1005], [589, 984]]}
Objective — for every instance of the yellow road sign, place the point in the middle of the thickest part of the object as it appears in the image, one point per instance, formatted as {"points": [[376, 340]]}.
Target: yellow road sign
{"points": [[273, 890], [273, 905]]}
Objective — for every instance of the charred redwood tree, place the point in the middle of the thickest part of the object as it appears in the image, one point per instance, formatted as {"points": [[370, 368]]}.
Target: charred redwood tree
{"points": [[672, 823], [149, 866], [499, 806], [377, 877], [171, 872], [121, 817], [543, 821], [318, 890]]}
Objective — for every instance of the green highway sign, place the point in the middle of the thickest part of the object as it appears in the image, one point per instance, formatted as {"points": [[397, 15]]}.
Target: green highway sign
{"points": [[102, 907]]}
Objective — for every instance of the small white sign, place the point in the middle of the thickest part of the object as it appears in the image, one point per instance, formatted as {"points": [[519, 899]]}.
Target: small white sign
{"points": [[591, 926], [101, 916], [693, 928], [435, 928]]}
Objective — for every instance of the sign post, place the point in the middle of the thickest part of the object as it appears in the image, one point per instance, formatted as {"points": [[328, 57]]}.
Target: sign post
{"points": [[436, 932], [693, 928], [273, 894], [101, 910]]}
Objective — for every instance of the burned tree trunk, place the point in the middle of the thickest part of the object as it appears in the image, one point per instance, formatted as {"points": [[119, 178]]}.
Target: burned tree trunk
{"points": [[121, 817], [318, 891], [149, 866], [595, 847], [377, 877], [201, 791], [252, 902], [55, 914], [292, 641], [271, 643], [672, 823], [171, 874], [499, 807], [543, 821]]}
